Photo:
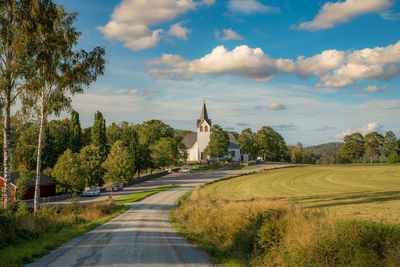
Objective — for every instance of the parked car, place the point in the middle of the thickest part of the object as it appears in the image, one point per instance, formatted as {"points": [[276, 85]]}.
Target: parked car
{"points": [[91, 192], [117, 187], [185, 170]]}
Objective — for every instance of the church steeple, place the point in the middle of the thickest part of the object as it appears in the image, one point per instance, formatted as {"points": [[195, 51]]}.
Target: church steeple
{"points": [[204, 115]]}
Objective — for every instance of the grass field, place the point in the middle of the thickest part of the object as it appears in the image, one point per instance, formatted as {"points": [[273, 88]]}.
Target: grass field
{"points": [[356, 191]]}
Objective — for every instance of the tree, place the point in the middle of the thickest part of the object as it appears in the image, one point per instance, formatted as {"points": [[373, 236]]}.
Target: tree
{"points": [[91, 160], [165, 152], [219, 142], [118, 165], [247, 143], [152, 131], [353, 147], [58, 71], [98, 134], [15, 18], [68, 172], [271, 144], [75, 132], [390, 144], [373, 144]]}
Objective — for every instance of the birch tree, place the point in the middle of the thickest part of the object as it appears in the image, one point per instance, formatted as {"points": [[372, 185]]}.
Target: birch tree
{"points": [[59, 70], [14, 63]]}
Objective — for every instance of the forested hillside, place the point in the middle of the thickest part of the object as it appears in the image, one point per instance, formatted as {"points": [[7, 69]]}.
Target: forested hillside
{"points": [[325, 153]]}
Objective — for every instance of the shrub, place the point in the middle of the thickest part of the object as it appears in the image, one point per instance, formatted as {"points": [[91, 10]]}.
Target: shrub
{"points": [[394, 158]]}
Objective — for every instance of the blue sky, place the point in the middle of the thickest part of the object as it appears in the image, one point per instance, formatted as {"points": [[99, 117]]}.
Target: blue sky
{"points": [[313, 70]]}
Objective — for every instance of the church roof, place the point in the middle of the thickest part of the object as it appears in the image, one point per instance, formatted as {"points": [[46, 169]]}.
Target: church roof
{"points": [[189, 139], [232, 142]]}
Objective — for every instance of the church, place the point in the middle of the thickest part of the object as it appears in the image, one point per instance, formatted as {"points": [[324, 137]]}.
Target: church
{"points": [[198, 141]]}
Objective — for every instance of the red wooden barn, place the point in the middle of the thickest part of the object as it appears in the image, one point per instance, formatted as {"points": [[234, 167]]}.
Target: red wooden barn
{"points": [[47, 186]]}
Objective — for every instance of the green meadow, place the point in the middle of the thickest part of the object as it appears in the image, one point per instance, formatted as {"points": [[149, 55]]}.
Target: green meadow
{"points": [[363, 191]]}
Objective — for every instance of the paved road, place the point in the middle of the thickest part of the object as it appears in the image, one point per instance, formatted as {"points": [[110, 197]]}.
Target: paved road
{"points": [[142, 236]]}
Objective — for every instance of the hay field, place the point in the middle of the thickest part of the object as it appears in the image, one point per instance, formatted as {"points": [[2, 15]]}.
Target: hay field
{"points": [[356, 191]]}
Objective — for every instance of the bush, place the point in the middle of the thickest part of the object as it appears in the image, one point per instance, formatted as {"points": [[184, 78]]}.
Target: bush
{"points": [[394, 158]]}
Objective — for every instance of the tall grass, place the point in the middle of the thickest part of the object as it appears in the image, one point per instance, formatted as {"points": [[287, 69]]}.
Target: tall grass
{"points": [[273, 233], [25, 235]]}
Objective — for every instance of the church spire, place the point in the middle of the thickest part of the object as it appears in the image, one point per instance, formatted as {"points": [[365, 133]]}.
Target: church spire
{"points": [[204, 115]]}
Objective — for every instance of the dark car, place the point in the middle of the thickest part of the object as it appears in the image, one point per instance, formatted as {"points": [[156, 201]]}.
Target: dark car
{"points": [[117, 187]]}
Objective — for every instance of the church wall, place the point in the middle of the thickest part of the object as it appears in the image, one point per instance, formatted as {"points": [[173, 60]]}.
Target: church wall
{"points": [[193, 153], [203, 137]]}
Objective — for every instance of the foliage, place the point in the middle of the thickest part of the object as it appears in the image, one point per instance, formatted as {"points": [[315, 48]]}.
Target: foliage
{"points": [[24, 176], [328, 153], [91, 159], [118, 165], [394, 158], [271, 145], [299, 155], [390, 144], [75, 132], [68, 172], [353, 147], [153, 130], [247, 143], [373, 144], [166, 152], [98, 134], [219, 142]]}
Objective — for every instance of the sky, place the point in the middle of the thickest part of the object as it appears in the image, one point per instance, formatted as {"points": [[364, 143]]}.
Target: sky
{"points": [[315, 71]]}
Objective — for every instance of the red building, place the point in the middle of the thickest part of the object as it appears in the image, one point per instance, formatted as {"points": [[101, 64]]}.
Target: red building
{"points": [[47, 186]]}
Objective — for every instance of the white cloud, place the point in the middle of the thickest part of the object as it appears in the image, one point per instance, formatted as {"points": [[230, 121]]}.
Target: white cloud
{"points": [[131, 21], [228, 34], [179, 31], [339, 12], [275, 106], [370, 127], [133, 92], [335, 68], [247, 7], [250, 63]]}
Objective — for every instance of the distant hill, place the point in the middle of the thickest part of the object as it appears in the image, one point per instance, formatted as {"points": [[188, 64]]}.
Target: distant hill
{"points": [[325, 153]]}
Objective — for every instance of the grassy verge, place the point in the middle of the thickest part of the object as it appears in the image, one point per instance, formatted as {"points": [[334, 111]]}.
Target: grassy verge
{"points": [[139, 196], [275, 233], [67, 227]]}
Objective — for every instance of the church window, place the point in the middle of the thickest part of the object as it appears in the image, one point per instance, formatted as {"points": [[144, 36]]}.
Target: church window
{"points": [[201, 128], [206, 128]]}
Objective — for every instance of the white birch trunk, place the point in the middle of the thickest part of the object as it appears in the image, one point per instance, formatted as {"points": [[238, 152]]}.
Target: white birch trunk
{"points": [[39, 157], [6, 151]]}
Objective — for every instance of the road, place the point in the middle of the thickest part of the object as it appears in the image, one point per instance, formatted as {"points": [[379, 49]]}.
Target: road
{"points": [[142, 236]]}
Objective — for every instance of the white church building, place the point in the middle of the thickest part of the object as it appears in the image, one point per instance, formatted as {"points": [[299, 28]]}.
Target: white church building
{"points": [[198, 141]]}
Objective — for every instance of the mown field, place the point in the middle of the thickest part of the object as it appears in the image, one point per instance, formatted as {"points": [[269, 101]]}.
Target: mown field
{"points": [[360, 191], [343, 215]]}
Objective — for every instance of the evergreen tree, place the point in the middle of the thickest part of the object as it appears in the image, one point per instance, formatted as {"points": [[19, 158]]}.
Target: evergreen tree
{"points": [[75, 132], [98, 134]]}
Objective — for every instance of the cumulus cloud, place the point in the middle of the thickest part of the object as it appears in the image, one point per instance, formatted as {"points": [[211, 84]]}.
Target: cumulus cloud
{"points": [[179, 31], [228, 34], [275, 106], [247, 7], [339, 12], [247, 62], [131, 21], [334, 68], [370, 127]]}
